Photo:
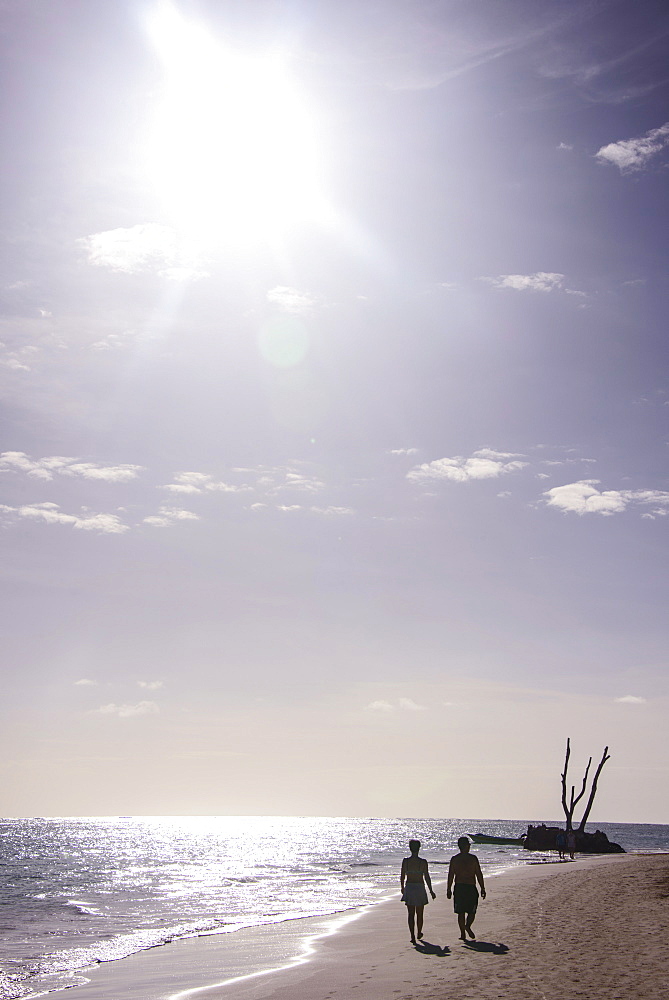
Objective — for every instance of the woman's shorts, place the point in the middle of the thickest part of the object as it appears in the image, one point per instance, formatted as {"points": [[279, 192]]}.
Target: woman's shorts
{"points": [[414, 894]]}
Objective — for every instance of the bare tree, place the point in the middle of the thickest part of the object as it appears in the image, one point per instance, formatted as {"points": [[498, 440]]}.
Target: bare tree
{"points": [[574, 799]]}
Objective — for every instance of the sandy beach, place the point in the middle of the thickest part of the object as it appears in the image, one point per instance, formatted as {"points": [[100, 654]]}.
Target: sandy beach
{"points": [[595, 928]]}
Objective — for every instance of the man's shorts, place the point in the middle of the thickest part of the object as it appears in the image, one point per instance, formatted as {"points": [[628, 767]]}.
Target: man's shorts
{"points": [[465, 898]]}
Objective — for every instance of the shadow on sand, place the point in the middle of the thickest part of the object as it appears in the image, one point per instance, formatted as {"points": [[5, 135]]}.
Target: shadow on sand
{"points": [[487, 946], [425, 948]]}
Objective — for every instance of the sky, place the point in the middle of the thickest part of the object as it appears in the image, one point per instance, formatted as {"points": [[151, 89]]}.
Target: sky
{"points": [[333, 400]]}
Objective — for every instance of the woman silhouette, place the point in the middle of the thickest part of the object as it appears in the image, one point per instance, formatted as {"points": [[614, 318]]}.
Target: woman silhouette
{"points": [[413, 877]]}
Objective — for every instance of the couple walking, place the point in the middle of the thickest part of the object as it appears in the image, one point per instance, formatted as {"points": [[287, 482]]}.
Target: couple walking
{"points": [[464, 870]]}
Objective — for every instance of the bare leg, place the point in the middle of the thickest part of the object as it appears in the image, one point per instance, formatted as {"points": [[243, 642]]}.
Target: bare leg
{"points": [[468, 925], [411, 911], [419, 921], [461, 925]]}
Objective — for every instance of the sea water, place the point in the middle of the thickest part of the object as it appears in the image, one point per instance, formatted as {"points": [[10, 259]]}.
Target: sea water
{"points": [[75, 892]]}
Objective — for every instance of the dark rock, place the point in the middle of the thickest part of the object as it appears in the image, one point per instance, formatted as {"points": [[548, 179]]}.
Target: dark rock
{"points": [[542, 838]]}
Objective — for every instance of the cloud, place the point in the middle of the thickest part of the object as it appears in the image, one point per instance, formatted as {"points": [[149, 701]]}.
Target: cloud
{"points": [[46, 468], [404, 704], [268, 480], [108, 474], [630, 699], [291, 300], [42, 468], [106, 524], [564, 145], [404, 451], [483, 464], [583, 497], [630, 155], [167, 516], [540, 281], [290, 478], [85, 682], [150, 685], [410, 705], [17, 360], [332, 510], [300, 481], [129, 711], [145, 248], [200, 482], [114, 341]]}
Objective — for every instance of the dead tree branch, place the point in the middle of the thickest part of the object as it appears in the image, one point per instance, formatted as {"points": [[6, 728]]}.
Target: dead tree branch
{"points": [[605, 756], [575, 799]]}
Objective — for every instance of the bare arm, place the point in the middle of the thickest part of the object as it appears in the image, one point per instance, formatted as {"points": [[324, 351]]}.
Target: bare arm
{"points": [[479, 877], [426, 875], [403, 874], [451, 876]]}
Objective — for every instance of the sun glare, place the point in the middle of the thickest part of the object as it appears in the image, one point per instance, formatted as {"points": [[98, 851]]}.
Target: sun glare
{"points": [[233, 150]]}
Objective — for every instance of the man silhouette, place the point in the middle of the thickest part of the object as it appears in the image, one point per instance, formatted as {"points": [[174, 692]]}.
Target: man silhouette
{"points": [[466, 871]]}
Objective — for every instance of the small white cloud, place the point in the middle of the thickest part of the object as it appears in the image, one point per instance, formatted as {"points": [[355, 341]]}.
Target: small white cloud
{"points": [[201, 482], [147, 247], [564, 145], [583, 497], [504, 494], [150, 685], [630, 155], [15, 360], [332, 510], [275, 480], [404, 451], [404, 704], [167, 516], [290, 300], [106, 473], [289, 507], [106, 524], [114, 341], [129, 711], [483, 464], [410, 705], [85, 682], [181, 488], [217, 487], [540, 281], [188, 482], [41, 468], [46, 468], [630, 699]]}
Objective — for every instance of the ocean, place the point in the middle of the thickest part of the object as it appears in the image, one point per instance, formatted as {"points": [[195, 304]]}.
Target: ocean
{"points": [[75, 892]]}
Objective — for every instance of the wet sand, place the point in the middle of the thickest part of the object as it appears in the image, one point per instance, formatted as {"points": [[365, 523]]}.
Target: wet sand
{"points": [[596, 928]]}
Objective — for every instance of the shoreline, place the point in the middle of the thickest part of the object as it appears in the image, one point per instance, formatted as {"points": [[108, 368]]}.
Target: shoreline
{"points": [[552, 904]]}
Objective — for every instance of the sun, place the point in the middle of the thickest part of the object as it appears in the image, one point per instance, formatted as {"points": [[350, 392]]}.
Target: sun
{"points": [[233, 150]]}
